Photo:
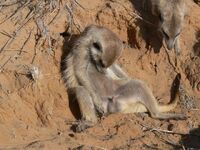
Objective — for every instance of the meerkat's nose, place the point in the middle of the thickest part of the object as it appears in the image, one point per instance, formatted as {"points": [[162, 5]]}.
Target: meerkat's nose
{"points": [[170, 43]]}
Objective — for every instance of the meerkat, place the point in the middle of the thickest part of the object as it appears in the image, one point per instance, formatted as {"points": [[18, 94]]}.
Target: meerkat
{"points": [[95, 44], [171, 14], [91, 72], [120, 93]]}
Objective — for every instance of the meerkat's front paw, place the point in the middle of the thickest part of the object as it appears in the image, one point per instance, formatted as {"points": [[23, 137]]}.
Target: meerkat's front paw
{"points": [[83, 125], [98, 104], [99, 108]]}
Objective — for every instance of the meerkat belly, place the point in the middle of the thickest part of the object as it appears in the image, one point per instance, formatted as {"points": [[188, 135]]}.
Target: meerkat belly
{"points": [[135, 108], [102, 84], [131, 105]]}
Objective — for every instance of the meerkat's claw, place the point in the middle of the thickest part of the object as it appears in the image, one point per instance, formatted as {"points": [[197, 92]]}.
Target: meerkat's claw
{"points": [[83, 125]]}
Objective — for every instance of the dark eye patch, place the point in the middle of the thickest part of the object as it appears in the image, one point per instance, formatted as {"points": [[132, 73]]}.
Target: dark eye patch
{"points": [[177, 34], [165, 34], [160, 18], [97, 46], [102, 64]]}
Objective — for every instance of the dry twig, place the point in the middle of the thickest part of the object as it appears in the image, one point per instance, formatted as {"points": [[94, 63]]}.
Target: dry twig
{"points": [[148, 128], [2, 66], [25, 42], [20, 7], [72, 20], [9, 41]]}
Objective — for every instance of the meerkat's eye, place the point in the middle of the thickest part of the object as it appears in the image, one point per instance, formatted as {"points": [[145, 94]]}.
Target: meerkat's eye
{"points": [[97, 46], [102, 64], [160, 17], [177, 34], [165, 34]]}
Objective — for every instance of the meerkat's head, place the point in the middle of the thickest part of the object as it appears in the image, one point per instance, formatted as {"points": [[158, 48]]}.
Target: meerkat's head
{"points": [[171, 15], [104, 46]]}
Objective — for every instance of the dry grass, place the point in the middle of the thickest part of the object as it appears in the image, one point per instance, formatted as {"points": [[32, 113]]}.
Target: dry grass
{"points": [[42, 14]]}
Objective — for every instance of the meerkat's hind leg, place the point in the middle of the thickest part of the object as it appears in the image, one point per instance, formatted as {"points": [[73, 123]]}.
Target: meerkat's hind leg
{"points": [[173, 116], [150, 102], [153, 108], [87, 109]]}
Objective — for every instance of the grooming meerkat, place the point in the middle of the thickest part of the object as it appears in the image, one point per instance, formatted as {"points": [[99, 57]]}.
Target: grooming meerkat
{"points": [[171, 15], [119, 93], [91, 72], [95, 44]]}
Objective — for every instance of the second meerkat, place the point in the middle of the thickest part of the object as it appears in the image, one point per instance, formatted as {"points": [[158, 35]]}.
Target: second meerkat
{"points": [[171, 14]]}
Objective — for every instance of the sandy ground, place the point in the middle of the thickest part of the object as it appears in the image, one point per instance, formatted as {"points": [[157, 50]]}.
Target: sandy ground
{"points": [[34, 106]]}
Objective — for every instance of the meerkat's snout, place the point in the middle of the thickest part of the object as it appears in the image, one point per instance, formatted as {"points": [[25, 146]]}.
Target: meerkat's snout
{"points": [[171, 32], [100, 67], [170, 42], [170, 39]]}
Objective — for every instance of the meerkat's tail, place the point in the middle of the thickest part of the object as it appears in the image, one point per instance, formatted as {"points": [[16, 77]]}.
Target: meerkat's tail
{"points": [[173, 104]]}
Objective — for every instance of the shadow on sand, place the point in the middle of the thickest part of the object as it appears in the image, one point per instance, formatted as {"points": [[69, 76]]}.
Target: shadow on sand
{"points": [[148, 27], [191, 141], [67, 46]]}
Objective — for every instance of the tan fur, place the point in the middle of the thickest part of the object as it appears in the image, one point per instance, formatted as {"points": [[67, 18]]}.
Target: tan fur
{"points": [[171, 14], [93, 44]]}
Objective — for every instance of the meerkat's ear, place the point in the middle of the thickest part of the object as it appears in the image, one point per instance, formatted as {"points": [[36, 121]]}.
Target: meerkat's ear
{"points": [[160, 17]]}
